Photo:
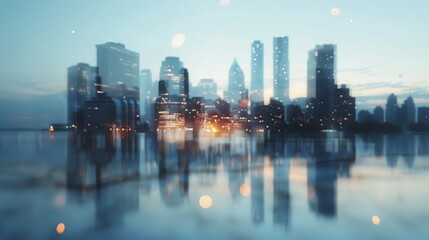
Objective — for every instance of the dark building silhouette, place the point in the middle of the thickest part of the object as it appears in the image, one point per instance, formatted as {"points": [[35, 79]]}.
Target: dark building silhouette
{"points": [[146, 95], [378, 114], [294, 115], [344, 112], [270, 117], [328, 106], [364, 116], [407, 112], [423, 115], [392, 109]]}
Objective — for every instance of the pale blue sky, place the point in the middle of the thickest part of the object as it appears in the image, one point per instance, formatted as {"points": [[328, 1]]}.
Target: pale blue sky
{"points": [[382, 44]]}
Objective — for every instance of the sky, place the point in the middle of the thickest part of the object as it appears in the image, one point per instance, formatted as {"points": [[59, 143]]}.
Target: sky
{"points": [[382, 44]]}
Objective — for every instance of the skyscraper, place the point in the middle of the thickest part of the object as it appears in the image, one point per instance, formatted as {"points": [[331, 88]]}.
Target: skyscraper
{"points": [[119, 70], [281, 69], [146, 94], [207, 88], [172, 75], [423, 115], [408, 112], [236, 88], [257, 72], [321, 76], [392, 109], [378, 114], [80, 88], [173, 97]]}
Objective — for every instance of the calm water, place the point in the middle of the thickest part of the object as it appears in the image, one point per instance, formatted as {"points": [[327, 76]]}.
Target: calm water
{"points": [[325, 186]]}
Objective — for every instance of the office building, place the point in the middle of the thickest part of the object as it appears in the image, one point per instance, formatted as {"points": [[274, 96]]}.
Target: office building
{"points": [[236, 88], [281, 69], [423, 115], [378, 114], [257, 72], [146, 94], [119, 69], [80, 88], [392, 109]]}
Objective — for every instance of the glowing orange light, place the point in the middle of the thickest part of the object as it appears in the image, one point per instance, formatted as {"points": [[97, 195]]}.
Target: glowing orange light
{"points": [[206, 202], [376, 220], [245, 190], [61, 228]]}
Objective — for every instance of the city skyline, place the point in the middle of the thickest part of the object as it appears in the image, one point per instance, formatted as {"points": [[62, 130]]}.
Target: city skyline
{"points": [[373, 65]]}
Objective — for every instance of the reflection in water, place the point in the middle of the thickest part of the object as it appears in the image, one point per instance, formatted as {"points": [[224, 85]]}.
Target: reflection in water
{"points": [[94, 161], [105, 160], [332, 157]]}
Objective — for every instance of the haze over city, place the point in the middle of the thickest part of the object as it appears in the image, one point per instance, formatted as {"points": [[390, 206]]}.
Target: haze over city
{"points": [[379, 52]]}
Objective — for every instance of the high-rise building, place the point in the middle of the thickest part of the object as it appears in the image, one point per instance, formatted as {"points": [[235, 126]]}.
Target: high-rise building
{"points": [[207, 88], [344, 111], [174, 76], [80, 88], [257, 72], [118, 68], [392, 109], [281, 69], [378, 114], [321, 76], [236, 88], [423, 115], [146, 94], [408, 112], [173, 97]]}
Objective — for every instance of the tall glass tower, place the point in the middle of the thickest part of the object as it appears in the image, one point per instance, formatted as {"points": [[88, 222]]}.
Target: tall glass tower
{"points": [[80, 88], [173, 76], [392, 109], [118, 69], [257, 72], [281, 68], [236, 87]]}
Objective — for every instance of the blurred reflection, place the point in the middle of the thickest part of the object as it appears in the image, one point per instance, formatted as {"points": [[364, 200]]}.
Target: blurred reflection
{"points": [[173, 170], [257, 182], [281, 195], [333, 156], [423, 143], [393, 149], [408, 151], [98, 161]]}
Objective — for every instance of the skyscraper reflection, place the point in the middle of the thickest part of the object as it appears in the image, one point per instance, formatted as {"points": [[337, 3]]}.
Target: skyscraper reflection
{"points": [[332, 156]]}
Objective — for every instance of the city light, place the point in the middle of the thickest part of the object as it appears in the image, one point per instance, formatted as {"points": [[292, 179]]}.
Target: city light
{"points": [[61, 227], [205, 202]]}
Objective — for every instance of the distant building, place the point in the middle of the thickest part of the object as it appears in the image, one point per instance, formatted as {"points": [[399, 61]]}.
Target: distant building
{"points": [[392, 109], [207, 88], [364, 116], [173, 97], [236, 87], [119, 69], [271, 117], [344, 112], [327, 105], [281, 69], [378, 114], [146, 94], [294, 115], [423, 115], [80, 88], [257, 72], [408, 112]]}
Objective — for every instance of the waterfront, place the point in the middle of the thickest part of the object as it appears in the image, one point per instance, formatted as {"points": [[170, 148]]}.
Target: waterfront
{"points": [[324, 186]]}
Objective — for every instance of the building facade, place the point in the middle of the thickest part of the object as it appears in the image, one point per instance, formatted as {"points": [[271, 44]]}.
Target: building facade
{"points": [[119, 69], [80, 88], [257, 72], [281, 69]]}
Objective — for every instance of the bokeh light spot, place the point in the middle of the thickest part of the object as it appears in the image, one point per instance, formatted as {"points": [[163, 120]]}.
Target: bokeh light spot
{"points": [[61, 227], [178, 40], [245, 190], [376, 220], [224, 3], [335, 11], [206, 202]]}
